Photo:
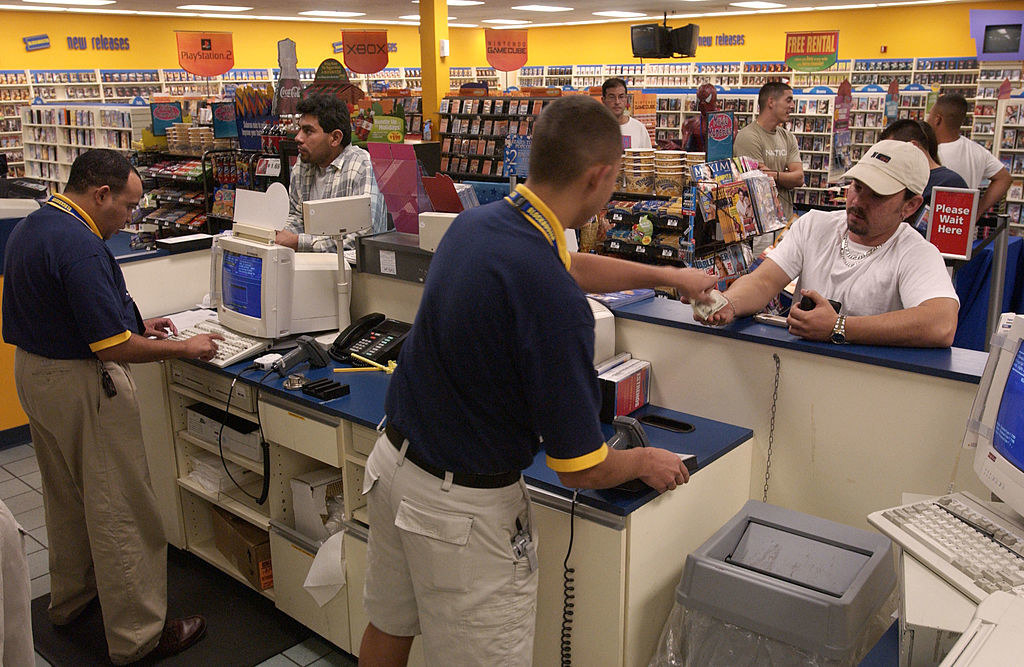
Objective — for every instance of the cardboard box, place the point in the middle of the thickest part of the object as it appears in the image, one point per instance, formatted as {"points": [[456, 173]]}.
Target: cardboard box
{"points": [[240, 435], [625, 388], [245, 546], [310, 492]]}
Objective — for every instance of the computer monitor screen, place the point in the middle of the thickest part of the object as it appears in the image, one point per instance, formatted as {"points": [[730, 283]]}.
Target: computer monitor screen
{"points": [[271, 291], [1002, 38], [800, 559], [1008, 435], [241, 280]]}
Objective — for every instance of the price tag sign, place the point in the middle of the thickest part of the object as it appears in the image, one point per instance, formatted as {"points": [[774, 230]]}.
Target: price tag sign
{"points": [[517, 156], [953, 212]]}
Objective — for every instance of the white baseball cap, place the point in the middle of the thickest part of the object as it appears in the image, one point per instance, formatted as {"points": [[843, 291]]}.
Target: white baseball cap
{"points": [[890, 165]]}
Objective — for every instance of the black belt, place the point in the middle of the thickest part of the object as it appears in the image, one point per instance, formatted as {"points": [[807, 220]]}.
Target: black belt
{"points": [[469, 479]]}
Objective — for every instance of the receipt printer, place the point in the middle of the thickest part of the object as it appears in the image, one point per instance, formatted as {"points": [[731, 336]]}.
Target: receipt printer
{"points": [[432, 228]]}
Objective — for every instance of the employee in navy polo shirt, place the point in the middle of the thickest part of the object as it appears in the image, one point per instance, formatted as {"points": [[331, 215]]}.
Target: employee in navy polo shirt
{"points": [[499, 363], [76, 328]]}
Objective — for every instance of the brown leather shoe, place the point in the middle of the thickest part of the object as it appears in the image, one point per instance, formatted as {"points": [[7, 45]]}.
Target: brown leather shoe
{"points": [[178, 635]]}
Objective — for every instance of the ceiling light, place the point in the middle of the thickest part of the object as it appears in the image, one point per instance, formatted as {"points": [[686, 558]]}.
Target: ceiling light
{"points": [[506, 21], [457, 3], [542, 8], [416, 17], [148, 13], [30, 8], [463, 25], [215, 8], [331, 14], [84, 3], [830, 7], [620, 15], [757, 4]]}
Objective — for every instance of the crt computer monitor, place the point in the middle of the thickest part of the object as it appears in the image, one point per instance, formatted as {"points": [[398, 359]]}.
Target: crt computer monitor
{"points": [[270, 291], [996, 424]]}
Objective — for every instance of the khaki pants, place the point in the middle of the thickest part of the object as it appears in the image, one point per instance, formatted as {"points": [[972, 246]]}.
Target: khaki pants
{"points": [[15, 599], [440, 563], [102, 522]]}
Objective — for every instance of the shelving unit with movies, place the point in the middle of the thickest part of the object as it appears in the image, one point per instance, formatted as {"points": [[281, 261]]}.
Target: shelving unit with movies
{"points": [[633, 75], [882, 71], [756, 74], [990, 76], [587, 76], [726, 74], [951, 75], [54, 135], [15, 91], [833, 76], [78, 85], [473, 131], [488, 75], [123, 85], [529, 76], [867, 120], [178, 191], [811, 124], [1010, 151], [180, 82]]}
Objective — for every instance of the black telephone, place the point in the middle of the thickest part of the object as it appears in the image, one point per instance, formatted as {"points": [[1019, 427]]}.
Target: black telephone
{"points": [[373, 337]]}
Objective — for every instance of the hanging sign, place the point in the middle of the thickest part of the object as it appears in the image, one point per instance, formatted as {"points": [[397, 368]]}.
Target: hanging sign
{"points": [[506, 49], [841, 159], [205, 53], [953, 214], [366, 51], [719, 128], [812, 51], [892, 101]]}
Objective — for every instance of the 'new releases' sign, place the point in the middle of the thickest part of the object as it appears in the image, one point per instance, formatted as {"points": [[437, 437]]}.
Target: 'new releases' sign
{"points": [[953, 214]]}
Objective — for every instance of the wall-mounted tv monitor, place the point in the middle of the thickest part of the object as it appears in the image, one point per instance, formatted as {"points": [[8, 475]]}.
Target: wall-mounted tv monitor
{"points": [[1001, 38], [650, 40]]}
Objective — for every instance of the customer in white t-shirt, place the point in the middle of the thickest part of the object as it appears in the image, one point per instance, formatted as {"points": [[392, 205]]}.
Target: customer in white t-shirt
{"points": [[892, 284], [614, 96], [967, 158]]}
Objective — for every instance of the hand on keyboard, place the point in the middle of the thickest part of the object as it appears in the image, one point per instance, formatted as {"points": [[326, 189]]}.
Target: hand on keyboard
{"points": [[202, 346]]}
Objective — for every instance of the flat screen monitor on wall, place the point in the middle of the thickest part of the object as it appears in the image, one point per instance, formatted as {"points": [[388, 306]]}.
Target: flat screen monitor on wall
{"points": [[1002, 38]]}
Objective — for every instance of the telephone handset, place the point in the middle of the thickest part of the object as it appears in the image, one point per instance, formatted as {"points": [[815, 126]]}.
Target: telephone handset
{"points": [[373, 337]]}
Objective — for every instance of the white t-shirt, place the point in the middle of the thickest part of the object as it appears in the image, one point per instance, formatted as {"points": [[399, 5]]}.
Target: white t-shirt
{"points": [[970, 160], [635, 135], [904, 272]]}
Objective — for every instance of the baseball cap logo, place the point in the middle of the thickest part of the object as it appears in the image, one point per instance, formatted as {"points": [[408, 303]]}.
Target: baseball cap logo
{"points": [[881, 157]]}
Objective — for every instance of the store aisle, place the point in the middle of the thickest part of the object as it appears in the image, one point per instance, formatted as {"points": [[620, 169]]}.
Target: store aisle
{"points": [[20, 490]]}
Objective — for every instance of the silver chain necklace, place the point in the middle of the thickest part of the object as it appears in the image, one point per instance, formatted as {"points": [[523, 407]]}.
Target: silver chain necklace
{"points": [[851, 258]]}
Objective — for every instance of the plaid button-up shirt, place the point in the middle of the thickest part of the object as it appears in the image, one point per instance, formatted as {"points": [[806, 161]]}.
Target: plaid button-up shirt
{"points": [[349, 174]]}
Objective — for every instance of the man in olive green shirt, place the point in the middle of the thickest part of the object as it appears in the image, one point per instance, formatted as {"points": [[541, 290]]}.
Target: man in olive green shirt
{"points": [[771, 144]]}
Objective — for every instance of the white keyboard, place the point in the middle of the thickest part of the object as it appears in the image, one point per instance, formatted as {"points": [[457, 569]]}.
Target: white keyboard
{"points": [[957, 537], [235, 346]]}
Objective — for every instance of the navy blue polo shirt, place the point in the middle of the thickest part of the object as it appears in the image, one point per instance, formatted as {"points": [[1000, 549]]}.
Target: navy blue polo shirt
{"points": [[64, 293], [501, 353]]}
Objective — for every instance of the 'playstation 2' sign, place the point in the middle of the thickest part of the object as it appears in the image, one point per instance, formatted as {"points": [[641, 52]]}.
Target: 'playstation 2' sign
{"points": [[36, 42]]}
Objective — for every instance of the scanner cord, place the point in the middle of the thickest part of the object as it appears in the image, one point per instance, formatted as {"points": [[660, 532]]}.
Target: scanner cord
{"points": [[568, 590], [771, 430], [265, 491]]}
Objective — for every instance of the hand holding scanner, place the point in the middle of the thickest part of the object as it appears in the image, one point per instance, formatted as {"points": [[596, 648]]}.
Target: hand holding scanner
{"points": [[807, 303]]}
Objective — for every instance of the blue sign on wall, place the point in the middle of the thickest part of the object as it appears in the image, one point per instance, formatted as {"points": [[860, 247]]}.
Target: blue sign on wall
{"points": [[36, 42]]}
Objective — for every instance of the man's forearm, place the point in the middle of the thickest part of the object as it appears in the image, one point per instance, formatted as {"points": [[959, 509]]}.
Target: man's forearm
{"points": [[932, 324], [599, 273], [996, 190], [139, 349]]}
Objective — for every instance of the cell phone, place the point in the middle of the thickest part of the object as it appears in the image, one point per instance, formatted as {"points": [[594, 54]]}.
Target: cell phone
{"points": [[667, 423], [807, 303]]}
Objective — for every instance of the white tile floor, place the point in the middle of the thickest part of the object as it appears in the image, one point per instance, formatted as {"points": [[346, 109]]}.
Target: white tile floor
{"points": [[20, 490]]}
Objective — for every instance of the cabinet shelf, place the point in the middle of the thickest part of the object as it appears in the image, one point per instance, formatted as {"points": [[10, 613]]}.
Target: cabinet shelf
{"points": [[233, 501], [244, 461], [204, 398], [209, 552]]}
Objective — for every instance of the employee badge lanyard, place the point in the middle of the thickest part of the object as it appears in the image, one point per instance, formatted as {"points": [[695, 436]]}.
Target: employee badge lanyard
{"points": [[540, 221]]}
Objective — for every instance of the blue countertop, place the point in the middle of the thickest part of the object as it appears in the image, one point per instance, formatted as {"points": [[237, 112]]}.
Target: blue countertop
{"points": [[709, 441], [952, 363], [118, 244]]}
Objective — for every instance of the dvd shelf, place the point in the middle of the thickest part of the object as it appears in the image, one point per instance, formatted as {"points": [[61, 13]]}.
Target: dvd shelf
{"points": [[1010, 150], [473, 131], [54, 135], [867, 119]]}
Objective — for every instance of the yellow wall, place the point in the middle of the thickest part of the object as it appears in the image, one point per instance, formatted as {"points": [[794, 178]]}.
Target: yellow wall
{"points": [[11, 415], [922, 30]]}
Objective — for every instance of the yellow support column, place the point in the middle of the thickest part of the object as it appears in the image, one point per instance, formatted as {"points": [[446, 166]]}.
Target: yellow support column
{"points": [[434, 66]]}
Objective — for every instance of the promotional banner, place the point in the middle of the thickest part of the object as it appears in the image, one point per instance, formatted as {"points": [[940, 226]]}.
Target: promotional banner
{"points": [[366, 51], [224, 120], [892, 101], [719, 129], [812, 51], [205, 53], [516, 160], [506, 49], [953, 214], [164, 114], [841, 160]]}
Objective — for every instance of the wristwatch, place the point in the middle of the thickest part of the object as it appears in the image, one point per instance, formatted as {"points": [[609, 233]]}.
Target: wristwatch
{"points": [[839, 331]]}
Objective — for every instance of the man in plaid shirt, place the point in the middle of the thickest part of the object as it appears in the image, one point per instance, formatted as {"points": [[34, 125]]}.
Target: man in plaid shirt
{"points": [[330, 166]]}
